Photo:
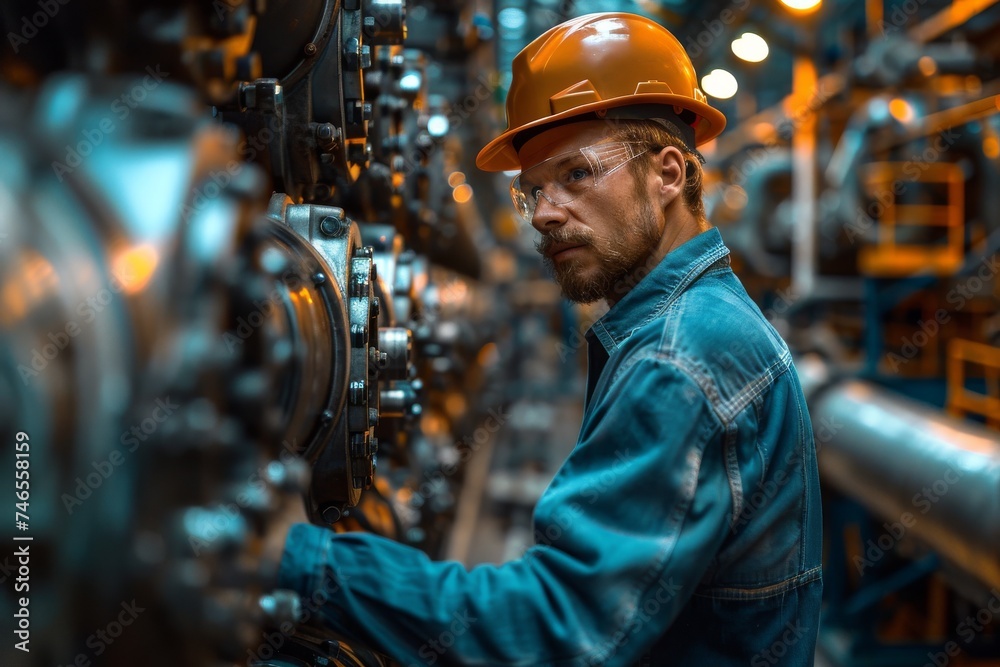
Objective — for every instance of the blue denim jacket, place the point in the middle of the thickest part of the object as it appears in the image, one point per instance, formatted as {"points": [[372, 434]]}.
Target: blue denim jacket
{"points": [[683, 529]]}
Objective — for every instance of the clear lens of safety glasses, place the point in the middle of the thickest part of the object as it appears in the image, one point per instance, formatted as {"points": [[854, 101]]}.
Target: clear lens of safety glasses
{"points": [[562, 178]]}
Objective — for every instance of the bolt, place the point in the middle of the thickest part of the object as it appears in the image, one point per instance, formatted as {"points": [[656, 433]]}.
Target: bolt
{"points": [[331, 514], [331, 226], [359, 285], [359, 154], [352, 51], [319, 278], [359, 335], [326, 132], [327, 416], [310, 49], [248, 95], [358, 445]]}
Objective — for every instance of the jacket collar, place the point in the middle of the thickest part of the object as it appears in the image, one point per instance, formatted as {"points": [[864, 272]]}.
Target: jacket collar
{"points": [[655, 292]]}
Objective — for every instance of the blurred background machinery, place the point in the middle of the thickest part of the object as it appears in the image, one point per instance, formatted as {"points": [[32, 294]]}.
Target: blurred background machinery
{"points": [[248, 275], [233, 297]]}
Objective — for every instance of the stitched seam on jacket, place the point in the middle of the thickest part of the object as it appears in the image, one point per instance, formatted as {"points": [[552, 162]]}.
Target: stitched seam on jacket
{"points": [[745, 396], [804, 512], [696, 271], [733, 473], [771, 590]]}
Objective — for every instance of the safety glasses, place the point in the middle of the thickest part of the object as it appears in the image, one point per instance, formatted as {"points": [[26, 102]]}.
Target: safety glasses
{"points": [[564, 177]]}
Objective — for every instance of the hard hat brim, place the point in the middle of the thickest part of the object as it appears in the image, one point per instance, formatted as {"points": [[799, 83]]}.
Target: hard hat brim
{"points": [[499, 154]]}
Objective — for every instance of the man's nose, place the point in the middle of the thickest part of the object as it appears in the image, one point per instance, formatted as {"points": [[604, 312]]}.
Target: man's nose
{"points": [[547, 216]]}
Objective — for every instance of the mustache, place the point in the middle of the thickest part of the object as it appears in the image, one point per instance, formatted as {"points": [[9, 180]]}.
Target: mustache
{"points": [[543, 244]]}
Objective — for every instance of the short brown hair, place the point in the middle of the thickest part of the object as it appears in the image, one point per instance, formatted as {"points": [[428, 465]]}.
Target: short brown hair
{"points": [[657, 137]]}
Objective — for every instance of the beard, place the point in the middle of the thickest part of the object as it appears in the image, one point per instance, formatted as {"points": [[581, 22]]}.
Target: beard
{"points": [[618, 256]]}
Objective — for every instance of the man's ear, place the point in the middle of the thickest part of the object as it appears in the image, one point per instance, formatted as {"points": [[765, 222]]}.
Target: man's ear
{"points": [[672, 169]]}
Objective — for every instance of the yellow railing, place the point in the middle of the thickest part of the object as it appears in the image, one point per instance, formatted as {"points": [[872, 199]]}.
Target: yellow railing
{"points": [[889, 258], [961, 401]]}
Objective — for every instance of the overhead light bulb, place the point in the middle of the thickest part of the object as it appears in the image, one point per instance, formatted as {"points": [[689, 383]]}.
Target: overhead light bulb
{"points": [[719, 84], [750, 47], [801, 5]]}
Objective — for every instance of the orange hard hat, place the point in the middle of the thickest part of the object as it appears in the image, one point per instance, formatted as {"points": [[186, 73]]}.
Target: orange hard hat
{"points": [[594, 63]]}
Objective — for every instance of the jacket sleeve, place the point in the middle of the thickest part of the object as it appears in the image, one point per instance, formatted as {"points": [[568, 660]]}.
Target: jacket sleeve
{"points": [[623, 534]]}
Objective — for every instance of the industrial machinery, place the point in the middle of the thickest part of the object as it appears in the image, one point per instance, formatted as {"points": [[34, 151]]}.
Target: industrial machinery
{"points": [[221, 260]]}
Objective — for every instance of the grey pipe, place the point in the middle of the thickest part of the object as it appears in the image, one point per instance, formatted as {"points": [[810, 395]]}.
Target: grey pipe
{"points": [[926, 474]]}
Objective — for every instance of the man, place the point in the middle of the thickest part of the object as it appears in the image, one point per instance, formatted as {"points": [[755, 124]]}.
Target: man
{"points": [[684, 528]]}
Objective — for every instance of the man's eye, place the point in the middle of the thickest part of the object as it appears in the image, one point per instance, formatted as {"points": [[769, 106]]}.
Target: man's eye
{"points": [[578, 174]]}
